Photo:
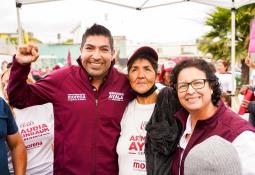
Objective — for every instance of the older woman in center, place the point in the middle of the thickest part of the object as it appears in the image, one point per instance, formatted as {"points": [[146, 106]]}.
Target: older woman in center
{"points": [[142, 71], [203, 115]]}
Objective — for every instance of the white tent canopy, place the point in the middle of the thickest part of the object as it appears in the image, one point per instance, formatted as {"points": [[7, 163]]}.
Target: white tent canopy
{"points": [[148, 4]]}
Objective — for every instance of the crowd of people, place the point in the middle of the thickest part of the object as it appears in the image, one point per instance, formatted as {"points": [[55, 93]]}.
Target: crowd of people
{"points": [[91, 119]]}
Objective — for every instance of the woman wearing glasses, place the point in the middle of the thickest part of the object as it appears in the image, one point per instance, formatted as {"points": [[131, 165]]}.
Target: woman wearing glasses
{"points": [[203, 115]]}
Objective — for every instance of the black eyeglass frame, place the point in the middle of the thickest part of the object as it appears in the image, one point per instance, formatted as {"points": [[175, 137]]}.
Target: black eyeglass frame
{"points": [[191, 84]]}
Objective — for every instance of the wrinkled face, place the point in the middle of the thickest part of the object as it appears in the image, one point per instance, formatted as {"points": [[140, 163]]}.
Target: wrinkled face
{"points": [[221, 68], [194, 99], [96, 56], [141, 75], [4, 84]]}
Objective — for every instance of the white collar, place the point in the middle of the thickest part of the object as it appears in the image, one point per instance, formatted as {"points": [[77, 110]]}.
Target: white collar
{"points": [[183, 141]]}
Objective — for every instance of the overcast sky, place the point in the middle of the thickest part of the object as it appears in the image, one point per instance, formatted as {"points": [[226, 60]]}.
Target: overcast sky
{"points": [[176, 23]]}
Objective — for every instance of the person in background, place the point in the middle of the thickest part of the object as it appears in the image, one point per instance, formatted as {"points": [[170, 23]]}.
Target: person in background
{"points": [[48, 70], [213, 156], [9, 135], [166, 69], [224, 76], [88, 101], [163, 133], [142, 71], [249, 61], [35, 125], [203, 115], [56, 67], [225, 80], [3, 66], [249, 104]]}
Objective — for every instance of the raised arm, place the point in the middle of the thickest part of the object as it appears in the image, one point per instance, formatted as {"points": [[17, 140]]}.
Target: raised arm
{"points": [[21, 94]]}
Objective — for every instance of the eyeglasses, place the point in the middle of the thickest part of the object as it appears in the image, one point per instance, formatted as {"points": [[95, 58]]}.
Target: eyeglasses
{"points": [[196, 84]]}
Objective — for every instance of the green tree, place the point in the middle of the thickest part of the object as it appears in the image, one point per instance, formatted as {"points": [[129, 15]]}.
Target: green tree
{"points": [[217, 41]]}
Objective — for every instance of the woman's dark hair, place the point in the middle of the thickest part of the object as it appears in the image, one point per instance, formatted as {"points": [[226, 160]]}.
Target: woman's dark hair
{"points": [[146, 56], [204, 66], [163, 133]]}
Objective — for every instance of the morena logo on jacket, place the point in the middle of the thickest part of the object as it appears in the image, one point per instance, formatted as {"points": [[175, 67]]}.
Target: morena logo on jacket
{"points": [[116, 96], [76, 97]]}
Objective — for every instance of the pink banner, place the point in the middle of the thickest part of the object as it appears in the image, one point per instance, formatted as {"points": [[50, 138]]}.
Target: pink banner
{"points": [[68, 59], [252, 38]]}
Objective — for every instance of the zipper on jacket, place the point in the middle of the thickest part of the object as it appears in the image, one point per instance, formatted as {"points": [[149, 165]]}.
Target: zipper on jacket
{"points": [[94, 144], [96, 102], [180, 161]]}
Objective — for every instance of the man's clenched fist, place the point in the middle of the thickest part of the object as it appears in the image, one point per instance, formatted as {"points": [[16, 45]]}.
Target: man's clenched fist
{"points": [[27, 54]]}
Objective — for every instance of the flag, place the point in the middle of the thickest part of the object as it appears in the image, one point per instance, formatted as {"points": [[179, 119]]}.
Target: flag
{"points": [[68, 59], [252, 38]]}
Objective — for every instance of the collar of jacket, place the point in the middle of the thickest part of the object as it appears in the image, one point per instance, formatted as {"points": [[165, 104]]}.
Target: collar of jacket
{"points": [[182, 115]]}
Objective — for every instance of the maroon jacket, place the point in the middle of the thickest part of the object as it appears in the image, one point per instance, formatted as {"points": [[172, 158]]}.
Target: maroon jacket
{"points": [[224, 123], [87, 121]]}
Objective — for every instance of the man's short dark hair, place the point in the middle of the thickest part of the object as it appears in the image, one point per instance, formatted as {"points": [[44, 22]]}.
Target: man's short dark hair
{"points": [[97, 29]]}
